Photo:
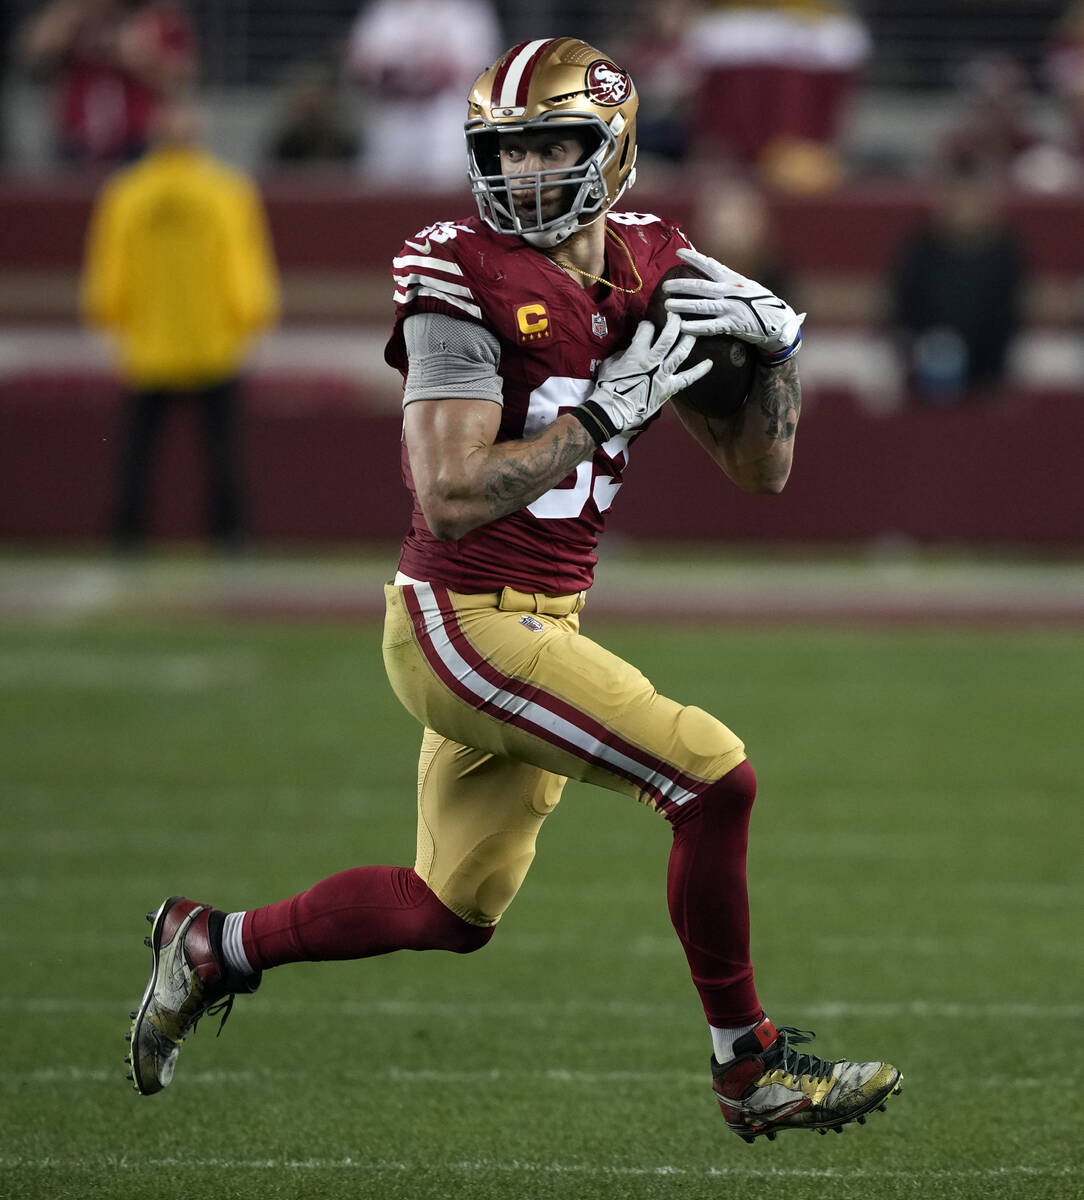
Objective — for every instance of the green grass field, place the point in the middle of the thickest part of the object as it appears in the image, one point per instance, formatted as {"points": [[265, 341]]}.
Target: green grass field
{"points": [[915, 875]]}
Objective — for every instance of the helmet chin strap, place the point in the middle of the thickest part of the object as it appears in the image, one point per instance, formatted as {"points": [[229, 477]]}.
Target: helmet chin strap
{"points": [[554, 237], [547, 239], [551, 237]]}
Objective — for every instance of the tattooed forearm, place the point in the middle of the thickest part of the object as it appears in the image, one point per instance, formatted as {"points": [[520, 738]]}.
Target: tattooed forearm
{"points": [[776, 399], [520, 472], [779, 395], [755, 444]]}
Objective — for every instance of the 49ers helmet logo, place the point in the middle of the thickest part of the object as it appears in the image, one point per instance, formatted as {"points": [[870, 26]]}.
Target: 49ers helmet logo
{"points": [[607, 83]]}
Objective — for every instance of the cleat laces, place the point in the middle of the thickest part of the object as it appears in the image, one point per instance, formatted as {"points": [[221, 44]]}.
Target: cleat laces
{"points": [[223, 1006], [796, 1062]]}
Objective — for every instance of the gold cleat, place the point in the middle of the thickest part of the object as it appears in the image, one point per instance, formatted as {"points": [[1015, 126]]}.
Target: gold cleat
{"points": [[770, 1086], [188, 980]]}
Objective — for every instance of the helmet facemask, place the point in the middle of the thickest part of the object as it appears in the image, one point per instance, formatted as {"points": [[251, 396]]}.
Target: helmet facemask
{"points": [[584, 183]]}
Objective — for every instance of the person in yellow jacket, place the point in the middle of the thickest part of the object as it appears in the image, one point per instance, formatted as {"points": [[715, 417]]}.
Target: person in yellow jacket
{"points": [[180, 273]]}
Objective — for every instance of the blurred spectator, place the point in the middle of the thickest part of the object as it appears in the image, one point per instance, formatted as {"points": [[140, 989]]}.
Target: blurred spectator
{"points": [[996, 127], [998, 135], [114, 62], [7, 40], [731, 222], [1064, 67], [776, 78], [659, 57], [179, 272], [313, 129], [415, 61], [957, 292]]}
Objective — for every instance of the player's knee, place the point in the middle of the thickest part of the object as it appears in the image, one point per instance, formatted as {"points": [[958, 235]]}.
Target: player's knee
{"points": [[737, 787], [467, 938], [435, 926], [703, 744], [730, 793], [487, 878], [453, 933]]}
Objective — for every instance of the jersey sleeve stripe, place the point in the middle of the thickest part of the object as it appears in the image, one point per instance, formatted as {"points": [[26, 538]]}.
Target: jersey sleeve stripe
{"points": [[405, 295], [434, 264], [440, 285]]}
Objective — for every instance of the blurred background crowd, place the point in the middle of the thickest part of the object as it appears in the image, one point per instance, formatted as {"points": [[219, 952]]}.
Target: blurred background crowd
{"points": [[805, 92], [909, 171]]}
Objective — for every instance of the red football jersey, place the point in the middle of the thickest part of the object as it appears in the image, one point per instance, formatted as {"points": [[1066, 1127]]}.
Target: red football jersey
{"points": [[553, 335]]}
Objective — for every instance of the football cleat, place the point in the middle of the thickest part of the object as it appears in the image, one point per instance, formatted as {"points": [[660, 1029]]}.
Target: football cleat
{"points": [[770, 1086], [188, 980]]}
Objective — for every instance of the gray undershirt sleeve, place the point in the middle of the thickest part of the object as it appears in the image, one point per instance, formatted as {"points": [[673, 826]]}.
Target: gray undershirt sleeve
{"points": [[448, 357]]}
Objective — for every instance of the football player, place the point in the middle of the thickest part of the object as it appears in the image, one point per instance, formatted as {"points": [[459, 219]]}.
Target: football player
{"points": [[529, 373]]}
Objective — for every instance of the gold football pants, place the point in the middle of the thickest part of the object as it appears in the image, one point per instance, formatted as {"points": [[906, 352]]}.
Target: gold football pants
{"points": [[514, 700]]}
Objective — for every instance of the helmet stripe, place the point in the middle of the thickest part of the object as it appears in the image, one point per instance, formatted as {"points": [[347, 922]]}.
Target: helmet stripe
{"points": [[514, 77], [502, 71]]}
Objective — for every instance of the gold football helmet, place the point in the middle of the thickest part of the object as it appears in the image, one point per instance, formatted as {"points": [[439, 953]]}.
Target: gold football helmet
{"points": [[564, 86]]}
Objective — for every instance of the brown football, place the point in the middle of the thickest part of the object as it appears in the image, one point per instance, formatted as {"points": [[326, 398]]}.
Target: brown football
{"points": [[724, 388]]}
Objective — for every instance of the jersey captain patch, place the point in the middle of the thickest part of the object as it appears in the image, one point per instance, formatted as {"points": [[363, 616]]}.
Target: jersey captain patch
{"points": [[532, 322]]}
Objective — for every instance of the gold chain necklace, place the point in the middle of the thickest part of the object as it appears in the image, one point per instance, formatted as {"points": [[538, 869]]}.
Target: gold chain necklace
{"points": [[598, 278]]}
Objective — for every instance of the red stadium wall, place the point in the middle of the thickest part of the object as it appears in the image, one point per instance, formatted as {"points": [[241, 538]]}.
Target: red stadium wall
{"points": [[336, 225], [322, 448], [321, 467], [334, 242]]}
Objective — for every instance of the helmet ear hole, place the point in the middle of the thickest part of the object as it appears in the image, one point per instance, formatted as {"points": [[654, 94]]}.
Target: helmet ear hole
{"points": [[624, 154]]}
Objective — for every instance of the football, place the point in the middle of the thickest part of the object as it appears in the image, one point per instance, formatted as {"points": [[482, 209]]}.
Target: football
{"points": [[724, 389]]}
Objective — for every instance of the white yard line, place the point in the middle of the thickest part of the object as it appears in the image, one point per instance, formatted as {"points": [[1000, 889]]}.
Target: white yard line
{"points": [[645, 946], [964, 1010], [109, 671], [514, 1167], [385, 1075]]}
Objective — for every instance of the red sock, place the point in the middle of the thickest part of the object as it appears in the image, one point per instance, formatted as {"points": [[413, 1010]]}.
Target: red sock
{"points": [[708, 896], [356, 914]]}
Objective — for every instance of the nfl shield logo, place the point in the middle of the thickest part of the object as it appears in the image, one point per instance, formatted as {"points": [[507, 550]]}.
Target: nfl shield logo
{"points": [[598, 325]]}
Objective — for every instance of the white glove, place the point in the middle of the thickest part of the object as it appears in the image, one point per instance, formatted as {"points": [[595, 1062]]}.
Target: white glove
{"points": [[726, 302], [637, 382]]}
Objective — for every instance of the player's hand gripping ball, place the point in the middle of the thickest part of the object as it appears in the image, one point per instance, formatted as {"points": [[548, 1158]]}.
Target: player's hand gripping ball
{"points": [[723, 390]]}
